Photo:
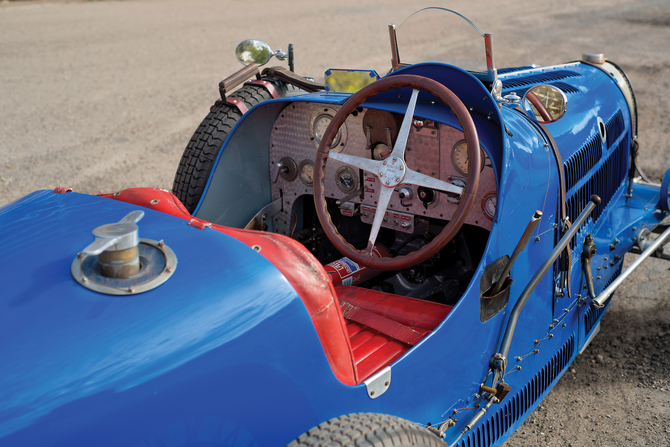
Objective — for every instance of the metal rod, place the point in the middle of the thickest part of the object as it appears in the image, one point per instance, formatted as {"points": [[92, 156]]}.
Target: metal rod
{"points": [[535, 280], [600, 300], [525, 237], [395, 57]]}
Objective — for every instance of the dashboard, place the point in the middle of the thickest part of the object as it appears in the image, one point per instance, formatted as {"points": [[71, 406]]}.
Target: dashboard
{"points": [[434, 149]]}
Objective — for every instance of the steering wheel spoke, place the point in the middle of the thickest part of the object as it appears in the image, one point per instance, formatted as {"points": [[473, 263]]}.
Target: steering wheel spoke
{"points": [[403, 134], [365, 164], [418, 179], [382, 204]]}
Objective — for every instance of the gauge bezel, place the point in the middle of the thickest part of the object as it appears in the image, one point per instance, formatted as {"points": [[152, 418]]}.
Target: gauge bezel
{"points": [[487, 197], [354, 175], [482, 156], [340, 139], [301, 166], [456, 181]]}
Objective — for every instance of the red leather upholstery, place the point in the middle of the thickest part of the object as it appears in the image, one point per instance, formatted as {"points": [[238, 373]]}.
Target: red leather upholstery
{"points": [[411, 312], [374, 350]]}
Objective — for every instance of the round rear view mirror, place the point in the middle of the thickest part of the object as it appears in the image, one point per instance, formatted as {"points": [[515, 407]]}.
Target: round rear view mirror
{"points": [[544, 103], [253, 51]]}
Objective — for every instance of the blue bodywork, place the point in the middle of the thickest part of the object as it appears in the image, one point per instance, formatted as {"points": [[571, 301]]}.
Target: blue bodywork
{"points": [[224, 353]]}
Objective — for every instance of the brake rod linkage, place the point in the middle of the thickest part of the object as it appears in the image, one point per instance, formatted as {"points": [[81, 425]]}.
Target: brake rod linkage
{"points": [[499, 359]]}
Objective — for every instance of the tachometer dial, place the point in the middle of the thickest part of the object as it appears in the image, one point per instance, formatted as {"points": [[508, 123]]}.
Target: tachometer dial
{"points": [[489, 203], [346, 179], [306, 170], [460, 157]]}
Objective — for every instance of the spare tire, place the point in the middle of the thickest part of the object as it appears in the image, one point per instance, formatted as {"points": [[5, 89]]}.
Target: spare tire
{"points": [[200, 154]]}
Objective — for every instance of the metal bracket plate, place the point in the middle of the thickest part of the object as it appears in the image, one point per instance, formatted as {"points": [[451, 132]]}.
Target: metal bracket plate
{"points": [[379, 383]]}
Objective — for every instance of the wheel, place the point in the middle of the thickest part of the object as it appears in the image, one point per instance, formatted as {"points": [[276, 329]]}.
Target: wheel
{"points": [[200, 154], [392, 171], [367, 430]]}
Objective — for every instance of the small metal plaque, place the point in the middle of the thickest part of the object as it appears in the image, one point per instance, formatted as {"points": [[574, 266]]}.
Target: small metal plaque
{"points": [[379, 383]]}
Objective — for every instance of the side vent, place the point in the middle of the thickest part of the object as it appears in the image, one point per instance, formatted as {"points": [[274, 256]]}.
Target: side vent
{"points": [[515, 407], [502, 71], [605, 182], [580, 163], [615, 127], [567, 88], [538, 78], [592, 315]]}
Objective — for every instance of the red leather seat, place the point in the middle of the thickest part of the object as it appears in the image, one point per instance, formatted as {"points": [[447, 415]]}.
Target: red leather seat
{"points": [[374, 350]]}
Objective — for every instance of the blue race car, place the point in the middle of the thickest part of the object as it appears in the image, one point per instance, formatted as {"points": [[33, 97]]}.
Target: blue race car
{"points": [[403, 260]]}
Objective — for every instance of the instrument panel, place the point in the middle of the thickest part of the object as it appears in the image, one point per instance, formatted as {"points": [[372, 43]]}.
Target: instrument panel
{"points": [[434, 149]]}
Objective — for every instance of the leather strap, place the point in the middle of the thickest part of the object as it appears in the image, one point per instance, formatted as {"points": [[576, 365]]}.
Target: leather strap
{"points": [[393, 329], [291, 78], [567, 254]]}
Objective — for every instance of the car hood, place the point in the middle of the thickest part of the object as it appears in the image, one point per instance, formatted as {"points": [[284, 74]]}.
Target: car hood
{"points": [[62, 342]]}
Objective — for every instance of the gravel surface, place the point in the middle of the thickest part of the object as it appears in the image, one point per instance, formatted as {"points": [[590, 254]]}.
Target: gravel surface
{"points": [[101, 96]]}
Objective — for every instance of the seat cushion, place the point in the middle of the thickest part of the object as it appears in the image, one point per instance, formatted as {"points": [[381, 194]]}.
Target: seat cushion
{"points": [[374, 350]]}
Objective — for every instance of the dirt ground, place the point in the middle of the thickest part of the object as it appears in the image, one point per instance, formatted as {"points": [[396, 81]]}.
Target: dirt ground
{"points": [[101, 96]]}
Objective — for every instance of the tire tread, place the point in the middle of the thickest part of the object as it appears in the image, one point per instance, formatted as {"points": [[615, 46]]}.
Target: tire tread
{"points": [[366, 430], [203, 148]]}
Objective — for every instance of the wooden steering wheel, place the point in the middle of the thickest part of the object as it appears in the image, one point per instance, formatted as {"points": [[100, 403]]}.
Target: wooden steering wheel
{"points": [[392, 171]]}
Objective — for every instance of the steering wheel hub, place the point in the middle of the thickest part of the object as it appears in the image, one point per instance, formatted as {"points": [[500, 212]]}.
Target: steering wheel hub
{"points": [[392, 171]]}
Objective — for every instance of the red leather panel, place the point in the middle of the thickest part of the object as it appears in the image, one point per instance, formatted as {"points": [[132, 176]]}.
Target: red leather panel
{"points": [[411, 312], [294, 261], [372, 350]]}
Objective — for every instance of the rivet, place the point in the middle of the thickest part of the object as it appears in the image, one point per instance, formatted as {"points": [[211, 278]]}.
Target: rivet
{"points": [[256, 247], [131, 289], [372, 393], [168, 270], [161, 244], [386, 383]]}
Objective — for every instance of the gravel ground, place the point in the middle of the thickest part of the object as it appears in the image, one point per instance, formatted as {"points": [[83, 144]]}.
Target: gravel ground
{"points": [[101, 96]]}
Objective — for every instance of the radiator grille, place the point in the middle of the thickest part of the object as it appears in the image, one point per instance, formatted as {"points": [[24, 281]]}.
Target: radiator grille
{"points": [[517, 405]]}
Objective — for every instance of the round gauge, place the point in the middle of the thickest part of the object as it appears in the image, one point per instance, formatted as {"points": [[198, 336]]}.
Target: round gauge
{"points": [[321, 124], [454, 198], [381, 151], [346, 179], [306, 170], [460, 157], [489, 203]]}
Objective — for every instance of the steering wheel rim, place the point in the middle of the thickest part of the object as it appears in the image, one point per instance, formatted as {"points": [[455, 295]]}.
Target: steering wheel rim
{"points": [[468, 193]]}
